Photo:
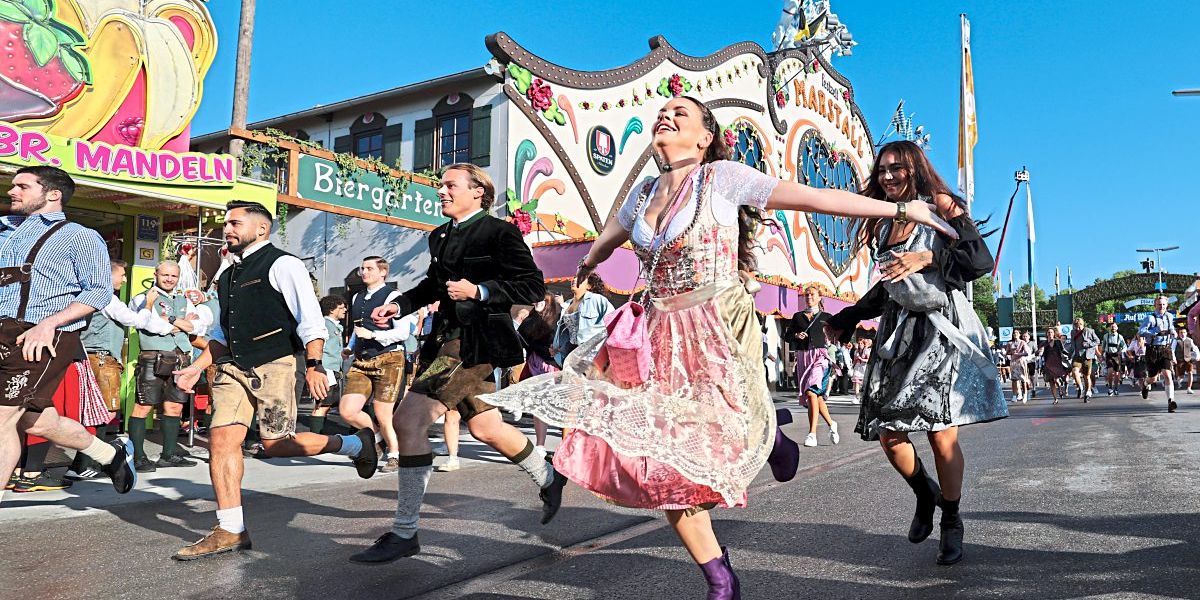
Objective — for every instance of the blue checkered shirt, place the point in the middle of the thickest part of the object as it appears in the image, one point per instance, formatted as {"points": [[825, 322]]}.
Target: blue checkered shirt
{"points": [[71, 267]]}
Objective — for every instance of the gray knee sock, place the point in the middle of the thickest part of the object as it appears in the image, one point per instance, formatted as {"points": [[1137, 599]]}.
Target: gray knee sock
{"points": [[411, 480], [533, 461]]}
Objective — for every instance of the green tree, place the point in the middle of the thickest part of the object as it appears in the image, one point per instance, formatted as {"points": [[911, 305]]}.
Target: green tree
{"points": [[984, 301]]}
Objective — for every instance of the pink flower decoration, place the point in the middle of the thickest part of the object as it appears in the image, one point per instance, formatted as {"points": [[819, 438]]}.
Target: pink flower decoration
{"points": [[730, 138], [540, 95]]}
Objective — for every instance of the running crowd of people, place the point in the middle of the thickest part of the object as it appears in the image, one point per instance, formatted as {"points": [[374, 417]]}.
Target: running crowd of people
{"points": [[1158, 351], [663, 403]]}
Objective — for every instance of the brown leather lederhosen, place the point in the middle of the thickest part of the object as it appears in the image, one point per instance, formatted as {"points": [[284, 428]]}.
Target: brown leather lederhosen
{"points": [[31, 384]]}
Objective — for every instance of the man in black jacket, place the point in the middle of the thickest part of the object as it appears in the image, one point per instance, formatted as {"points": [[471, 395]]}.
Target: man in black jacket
{"points": [[479, 268]]}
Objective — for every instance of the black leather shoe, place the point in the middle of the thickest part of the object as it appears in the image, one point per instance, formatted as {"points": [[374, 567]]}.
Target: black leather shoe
{"points": [[950, 546], [367, 460], [1171, 406], [1145, 392], [387, 548], [552, 497], [121, 470]]}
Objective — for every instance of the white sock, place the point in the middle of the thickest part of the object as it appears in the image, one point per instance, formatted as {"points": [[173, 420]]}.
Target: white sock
{"points": [[230, 519], [535, 465], [100, 452], [378, 438], [393, 454]]}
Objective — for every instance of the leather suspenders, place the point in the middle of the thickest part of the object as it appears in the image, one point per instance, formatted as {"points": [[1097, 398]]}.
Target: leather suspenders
{"points": [[22, 274]]}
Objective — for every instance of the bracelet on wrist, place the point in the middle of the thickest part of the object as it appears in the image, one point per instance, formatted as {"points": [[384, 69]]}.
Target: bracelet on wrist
{"points": [[901, 212], [583, 264]]}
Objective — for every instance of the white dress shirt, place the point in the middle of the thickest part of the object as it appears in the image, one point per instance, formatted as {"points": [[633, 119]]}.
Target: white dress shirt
{"points": [[144, 319], [138, 303], [402, 327], [288, 277]]}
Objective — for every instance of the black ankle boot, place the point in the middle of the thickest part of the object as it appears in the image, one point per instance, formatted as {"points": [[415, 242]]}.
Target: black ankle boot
{"points": [[927, 492], [950, 546]]}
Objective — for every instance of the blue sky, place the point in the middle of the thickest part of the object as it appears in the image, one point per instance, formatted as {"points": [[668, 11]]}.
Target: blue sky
{"points": [[1079, 92]]}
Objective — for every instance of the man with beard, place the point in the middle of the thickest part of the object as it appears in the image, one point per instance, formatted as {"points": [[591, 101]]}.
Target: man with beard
{"points": [[160, 355], [268, 315], [479, 268], [1083, 351], [53, 274]]}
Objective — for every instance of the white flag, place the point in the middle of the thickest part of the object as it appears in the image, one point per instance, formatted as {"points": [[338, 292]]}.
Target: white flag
{"points": [[968, 129], [1029, 212]]}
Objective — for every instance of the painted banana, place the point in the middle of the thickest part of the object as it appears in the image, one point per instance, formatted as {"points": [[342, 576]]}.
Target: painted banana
{"points": [[171, 43]]}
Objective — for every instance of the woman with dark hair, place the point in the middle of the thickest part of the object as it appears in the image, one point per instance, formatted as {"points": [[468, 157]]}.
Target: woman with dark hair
{"points": [[583, 317], [1056, 359], [813, 364], [932, 370], [537, 331], [694, 433]]}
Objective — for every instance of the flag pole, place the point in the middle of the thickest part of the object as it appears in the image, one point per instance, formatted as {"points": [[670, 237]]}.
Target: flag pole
{"points": [[1030, 240]]}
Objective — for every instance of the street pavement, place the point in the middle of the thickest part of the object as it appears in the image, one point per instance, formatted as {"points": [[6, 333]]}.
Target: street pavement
{"points": [[1093, 500]]}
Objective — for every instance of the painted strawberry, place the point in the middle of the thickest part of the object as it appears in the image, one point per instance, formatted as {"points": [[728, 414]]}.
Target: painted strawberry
{"points": [[40, 61]]}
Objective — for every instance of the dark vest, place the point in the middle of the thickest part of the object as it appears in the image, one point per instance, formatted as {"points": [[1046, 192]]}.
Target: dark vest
{"points": [[258, 325], [360, 315]]}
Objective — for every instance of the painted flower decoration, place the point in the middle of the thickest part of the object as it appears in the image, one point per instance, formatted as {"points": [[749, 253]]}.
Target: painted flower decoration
{"points": [[585, 105], [604, 106], [846, 95], [780, 99], [621, 103], [522, 220], [731, 138], [540, 95], [835, 157], [674, 86]]}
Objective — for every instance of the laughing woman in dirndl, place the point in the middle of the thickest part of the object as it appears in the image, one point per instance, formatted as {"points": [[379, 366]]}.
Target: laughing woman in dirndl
{"points": [[932, 370], [699, 427]]}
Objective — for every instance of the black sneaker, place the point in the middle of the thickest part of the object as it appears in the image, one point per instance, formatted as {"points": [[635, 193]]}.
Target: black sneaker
{"points": [[143, 464], [388, 548], [1171, 406], [121, 470], [14, 481], [552, 497], [41, 483], [1145, 392], [174, 461], [368, 459]]}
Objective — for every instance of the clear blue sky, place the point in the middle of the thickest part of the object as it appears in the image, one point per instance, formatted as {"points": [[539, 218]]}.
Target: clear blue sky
{"points": [[1080, 92]]}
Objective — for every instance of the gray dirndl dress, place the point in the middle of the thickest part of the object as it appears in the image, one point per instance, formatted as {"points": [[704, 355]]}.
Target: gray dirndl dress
{"points": [[931, 368]]}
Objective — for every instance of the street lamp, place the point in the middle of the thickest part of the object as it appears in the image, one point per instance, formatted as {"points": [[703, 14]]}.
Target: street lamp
{"points": [[1158, 258]]}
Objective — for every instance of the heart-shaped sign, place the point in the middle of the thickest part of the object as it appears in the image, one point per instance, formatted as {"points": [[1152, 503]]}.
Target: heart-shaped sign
{"points": [[822, 167]]}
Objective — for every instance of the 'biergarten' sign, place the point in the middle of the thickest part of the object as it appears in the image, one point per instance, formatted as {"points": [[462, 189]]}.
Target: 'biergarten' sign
{"points": [[318, 180]]}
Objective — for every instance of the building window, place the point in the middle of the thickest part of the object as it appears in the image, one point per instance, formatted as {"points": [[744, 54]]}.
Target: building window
{"points": [[369, 145], [454, 139]]}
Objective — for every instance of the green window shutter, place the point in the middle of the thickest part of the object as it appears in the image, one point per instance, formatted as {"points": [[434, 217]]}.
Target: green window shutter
{"points": [[391, 143], [423, 144], [481, 135], [343, 143]]}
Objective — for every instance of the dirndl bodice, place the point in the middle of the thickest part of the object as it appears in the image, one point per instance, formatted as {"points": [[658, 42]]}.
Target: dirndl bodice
{"points": [[700, 430]]}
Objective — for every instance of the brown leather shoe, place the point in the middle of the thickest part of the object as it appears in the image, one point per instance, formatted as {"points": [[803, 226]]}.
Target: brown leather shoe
{"points": [[216, 542]]}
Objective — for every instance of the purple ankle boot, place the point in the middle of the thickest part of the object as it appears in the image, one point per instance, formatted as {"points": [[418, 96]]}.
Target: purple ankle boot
{"points": [[723, 583], [785, 454]]}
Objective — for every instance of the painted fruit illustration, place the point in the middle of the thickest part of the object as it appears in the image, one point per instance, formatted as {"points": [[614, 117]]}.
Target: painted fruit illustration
{"points": [[146, 62], [43, 67]]}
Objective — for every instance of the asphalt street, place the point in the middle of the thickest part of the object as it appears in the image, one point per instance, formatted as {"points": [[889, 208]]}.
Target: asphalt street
{"points": [[1076, 500]]}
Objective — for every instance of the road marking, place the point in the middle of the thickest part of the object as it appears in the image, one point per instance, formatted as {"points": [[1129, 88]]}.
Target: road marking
{"points": [[486, 582]]}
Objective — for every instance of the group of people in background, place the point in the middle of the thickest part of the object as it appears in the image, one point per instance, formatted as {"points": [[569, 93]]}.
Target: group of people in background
{"points": [[1157, 351]]}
